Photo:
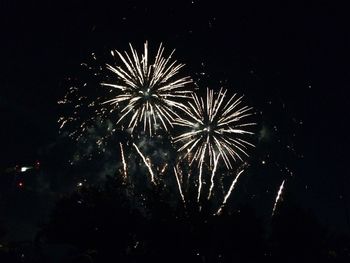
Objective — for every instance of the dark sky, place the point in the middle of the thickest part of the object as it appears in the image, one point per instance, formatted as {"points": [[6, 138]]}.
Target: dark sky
{"points": [[296, 54]]}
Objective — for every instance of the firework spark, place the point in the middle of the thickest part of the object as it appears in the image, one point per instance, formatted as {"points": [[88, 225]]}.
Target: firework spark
{"points": [[149, 92], [213, 175], [215, 127], [229, 192], [123, 161], [179, 185], [148, 165], [279, 194], [164, 168], [200, 175]]}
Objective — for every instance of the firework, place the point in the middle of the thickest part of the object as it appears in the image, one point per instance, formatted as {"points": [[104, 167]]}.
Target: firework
{"points": [[147, 93], [279, 194], [215, 126], [142, 94]]}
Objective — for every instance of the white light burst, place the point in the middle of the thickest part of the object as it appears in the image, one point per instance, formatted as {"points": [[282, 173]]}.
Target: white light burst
{"points": [[148, 93], [215, 126]]}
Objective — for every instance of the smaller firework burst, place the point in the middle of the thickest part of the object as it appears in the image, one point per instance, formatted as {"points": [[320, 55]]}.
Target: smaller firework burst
{"points": [[215, 126]]}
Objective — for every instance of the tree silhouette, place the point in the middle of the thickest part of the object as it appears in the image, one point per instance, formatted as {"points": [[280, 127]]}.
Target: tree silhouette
{"points": [[116, 222]]}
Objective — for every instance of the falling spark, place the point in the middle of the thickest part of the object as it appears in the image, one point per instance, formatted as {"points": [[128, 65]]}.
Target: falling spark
{"points": [[180, 173], [215, 126], [179, 185], [200, 175], [63, 123], [278, 197], [229, 192], [164, 168], [212, 176], [123, 161], [24, 168], [146, 163], [148, 92]]}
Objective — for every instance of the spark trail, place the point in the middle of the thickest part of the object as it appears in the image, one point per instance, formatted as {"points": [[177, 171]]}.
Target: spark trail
{"points": [[146, 163], [200, 175], [164, 168], [123, 161], [213, 175], [179, 185], [229, 192], [279, 194]]}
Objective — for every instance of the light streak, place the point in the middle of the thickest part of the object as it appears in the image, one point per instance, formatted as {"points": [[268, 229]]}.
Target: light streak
{"points": [[279, 194], [179, 185], [146, 163], [213, 175], [123, 161], [200, 175], [229, 192]]}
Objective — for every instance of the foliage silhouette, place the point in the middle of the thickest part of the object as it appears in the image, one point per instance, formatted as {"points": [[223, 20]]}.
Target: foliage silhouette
{"points": [[116, 222]]}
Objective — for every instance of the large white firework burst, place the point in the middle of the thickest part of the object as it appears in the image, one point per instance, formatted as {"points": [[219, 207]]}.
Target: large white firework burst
{"points": [[148, 93], [216, 127]]}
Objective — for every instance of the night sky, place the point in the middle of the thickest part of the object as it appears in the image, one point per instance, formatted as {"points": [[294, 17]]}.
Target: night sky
{"points": [[289, 60]]}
